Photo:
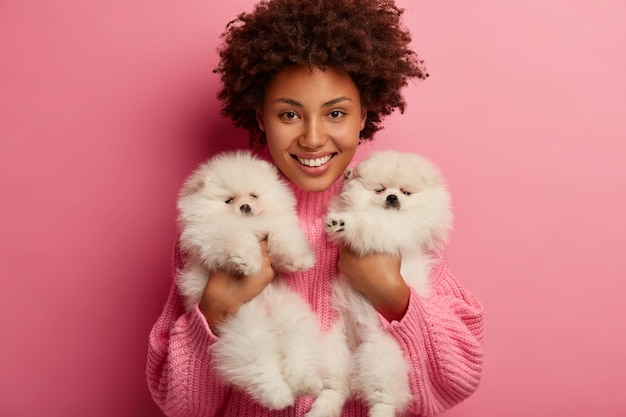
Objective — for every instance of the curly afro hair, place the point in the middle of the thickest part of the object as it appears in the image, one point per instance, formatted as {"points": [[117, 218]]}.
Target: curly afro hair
{"points": [[363, 38]]}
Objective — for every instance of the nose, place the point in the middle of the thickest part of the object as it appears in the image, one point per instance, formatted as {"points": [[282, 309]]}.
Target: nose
{"points": [[245, 209], [392, 201], [313, 135]]}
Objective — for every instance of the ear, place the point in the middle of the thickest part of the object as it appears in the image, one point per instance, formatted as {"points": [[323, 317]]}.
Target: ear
{"points": [[259, 120], [363, 117], [192, 185], [431, 180]]}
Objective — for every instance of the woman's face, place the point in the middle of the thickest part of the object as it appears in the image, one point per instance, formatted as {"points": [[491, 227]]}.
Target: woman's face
{"points": [[312, 121]]}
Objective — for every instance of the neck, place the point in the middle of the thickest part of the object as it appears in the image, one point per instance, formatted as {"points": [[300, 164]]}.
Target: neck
{"points": [[315, 204]]}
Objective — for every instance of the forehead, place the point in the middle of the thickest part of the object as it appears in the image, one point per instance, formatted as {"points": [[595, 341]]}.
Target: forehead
{"points": [[313, 87]]}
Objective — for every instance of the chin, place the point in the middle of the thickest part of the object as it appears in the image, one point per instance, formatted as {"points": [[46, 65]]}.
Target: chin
{"points": [[314, 185], [391, 203], [312, 182]]}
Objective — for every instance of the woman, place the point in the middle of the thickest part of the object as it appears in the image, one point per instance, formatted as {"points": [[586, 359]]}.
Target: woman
{"points": [[309, 80]]}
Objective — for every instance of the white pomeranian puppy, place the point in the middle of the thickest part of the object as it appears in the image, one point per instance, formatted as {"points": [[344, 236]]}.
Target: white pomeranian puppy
{"points": [[270, 347], [391, 203]]}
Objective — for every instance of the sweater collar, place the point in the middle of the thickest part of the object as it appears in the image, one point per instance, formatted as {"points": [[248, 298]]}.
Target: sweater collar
{"points": [[315, 204]]}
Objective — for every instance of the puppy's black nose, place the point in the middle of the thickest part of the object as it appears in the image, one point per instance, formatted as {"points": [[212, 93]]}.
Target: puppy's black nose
{"points": [[245, 209], [392, 201]]}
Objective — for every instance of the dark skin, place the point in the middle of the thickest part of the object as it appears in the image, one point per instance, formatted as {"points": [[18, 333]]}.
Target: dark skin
{"points": [[377, 276]]}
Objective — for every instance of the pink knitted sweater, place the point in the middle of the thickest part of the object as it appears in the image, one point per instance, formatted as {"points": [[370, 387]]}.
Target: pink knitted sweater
{"points": [[441, 338]]}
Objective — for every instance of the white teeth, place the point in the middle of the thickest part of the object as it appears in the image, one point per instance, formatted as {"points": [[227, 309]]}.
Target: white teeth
{"points": [[315, 162]]}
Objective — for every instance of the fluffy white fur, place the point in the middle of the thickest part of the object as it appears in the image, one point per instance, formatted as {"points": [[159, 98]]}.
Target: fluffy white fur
{"points": [[394, 203], [270, 347]]}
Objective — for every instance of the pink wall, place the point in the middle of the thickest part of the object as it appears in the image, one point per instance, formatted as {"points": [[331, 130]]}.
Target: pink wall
{"points": [[105, 108]]}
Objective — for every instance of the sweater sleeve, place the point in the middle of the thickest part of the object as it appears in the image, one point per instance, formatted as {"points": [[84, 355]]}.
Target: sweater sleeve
{"points": [[441, 337], [179, 372]]}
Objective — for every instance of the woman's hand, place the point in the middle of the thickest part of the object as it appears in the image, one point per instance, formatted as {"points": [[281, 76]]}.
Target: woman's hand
{"points": [[225, 293], [378, 277]]}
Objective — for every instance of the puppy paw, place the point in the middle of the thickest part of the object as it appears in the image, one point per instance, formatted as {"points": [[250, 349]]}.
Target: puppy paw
{"points": [[308, 382], [299, 262], [276, 396], [246, 259], [300, 367], [382, 410], [329, 403], [290, 252], [244, 266], [304, 379], [335, 224]]}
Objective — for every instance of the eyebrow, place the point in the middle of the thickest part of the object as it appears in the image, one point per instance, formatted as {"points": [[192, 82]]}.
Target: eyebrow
{"points": [[298, 104]]}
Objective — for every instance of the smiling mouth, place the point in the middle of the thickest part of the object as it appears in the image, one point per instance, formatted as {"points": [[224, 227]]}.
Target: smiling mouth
{"points": [[313, 163]]}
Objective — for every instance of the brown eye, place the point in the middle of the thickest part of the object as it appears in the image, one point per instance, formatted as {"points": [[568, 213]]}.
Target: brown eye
{"points": [[380, 190], [289, 116], [406, 192], [229, 201], [254, 196], [336, 114]]}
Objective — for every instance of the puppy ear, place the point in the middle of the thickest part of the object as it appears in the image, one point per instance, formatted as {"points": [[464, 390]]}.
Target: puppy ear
{"points": [[194, 184], [432, 179]]}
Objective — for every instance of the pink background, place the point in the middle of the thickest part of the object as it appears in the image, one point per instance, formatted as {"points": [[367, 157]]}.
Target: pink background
{"points": [[106, 106]]}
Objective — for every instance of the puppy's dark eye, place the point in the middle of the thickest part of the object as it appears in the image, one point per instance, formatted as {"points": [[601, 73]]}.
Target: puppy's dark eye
{"points": [[406, 192], [254, 196], [380, 190], [229, 201]]}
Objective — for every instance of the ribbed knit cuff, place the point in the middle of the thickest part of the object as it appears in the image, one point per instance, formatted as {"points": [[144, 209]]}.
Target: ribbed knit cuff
{"points": [[191, 333], [199, 327], [410, 325]]}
